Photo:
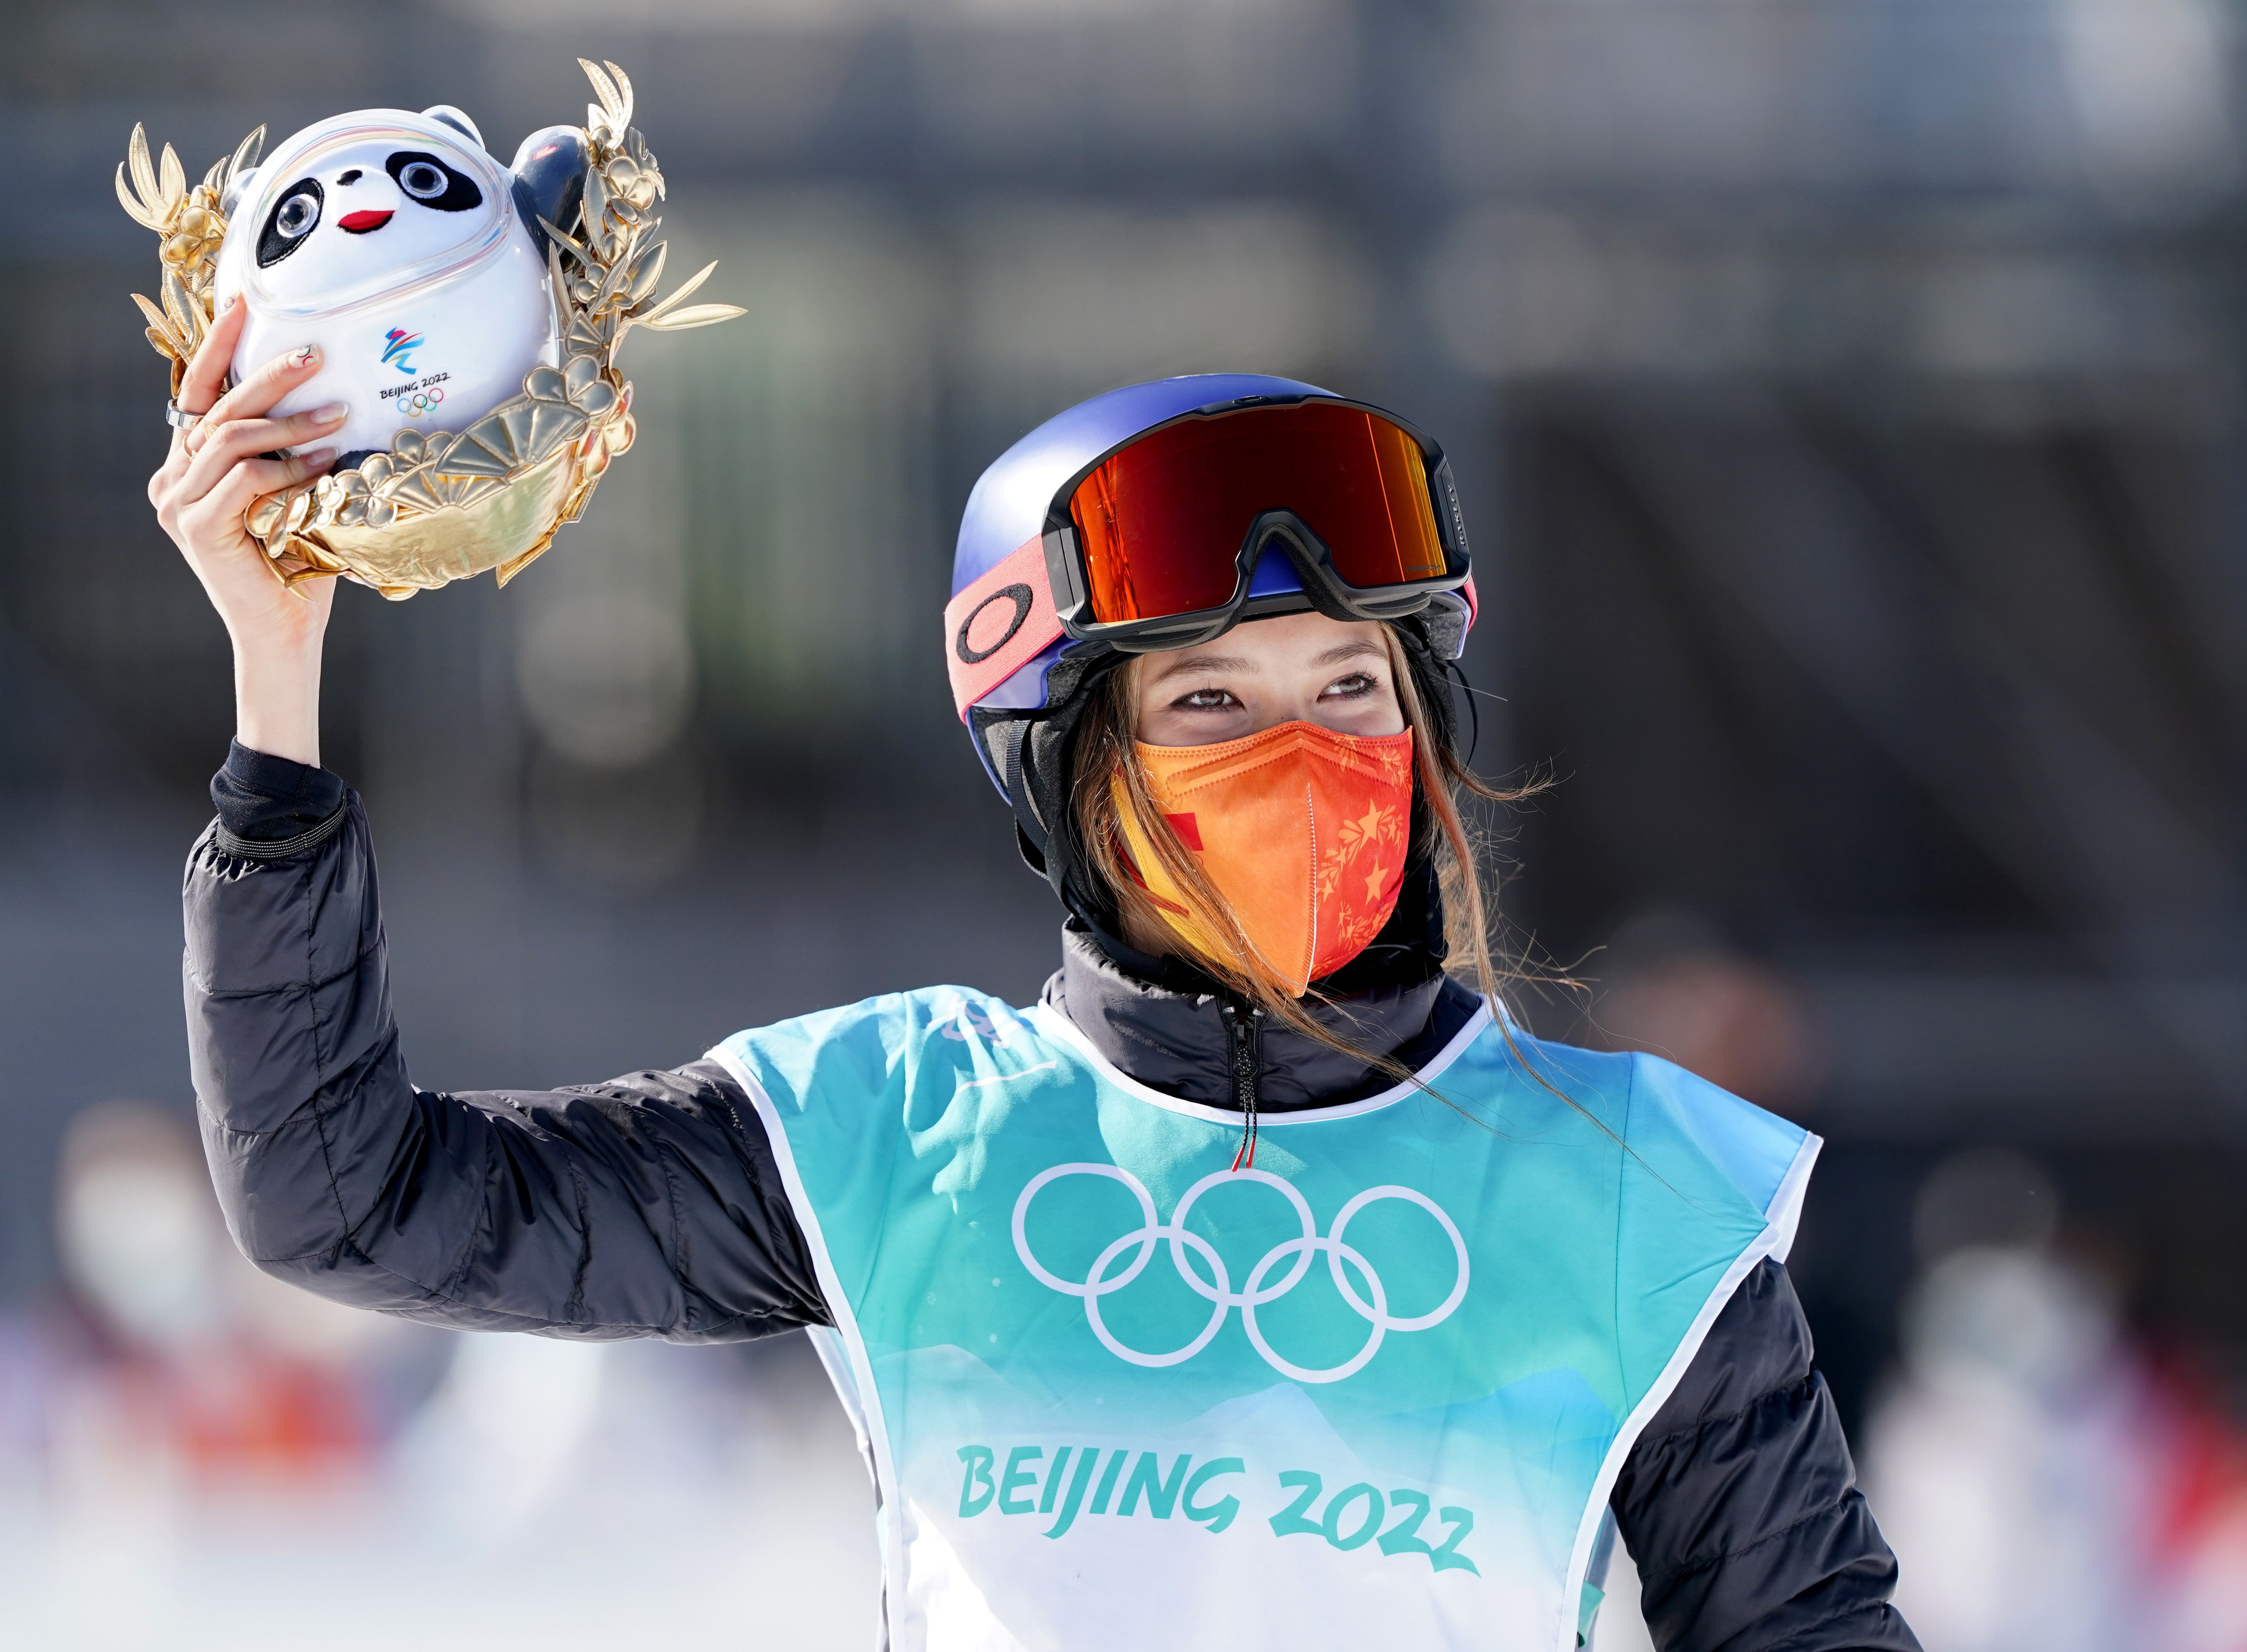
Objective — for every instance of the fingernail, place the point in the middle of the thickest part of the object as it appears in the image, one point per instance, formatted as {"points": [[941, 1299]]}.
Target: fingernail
{"points": [[318, 457], [303, 355], [331, 414]]}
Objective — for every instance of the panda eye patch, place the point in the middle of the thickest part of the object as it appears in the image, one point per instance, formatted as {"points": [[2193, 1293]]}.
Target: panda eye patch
{"points": [[294, 217], [433, 183]]}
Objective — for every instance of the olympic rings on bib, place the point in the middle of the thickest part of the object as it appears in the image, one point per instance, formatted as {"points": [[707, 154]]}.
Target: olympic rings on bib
{"points": [[1257, 1290], [419, 402]]}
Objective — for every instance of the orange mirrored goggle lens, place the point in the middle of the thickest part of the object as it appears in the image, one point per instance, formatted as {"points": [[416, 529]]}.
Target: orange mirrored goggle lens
{"points": [[1161, 523]]}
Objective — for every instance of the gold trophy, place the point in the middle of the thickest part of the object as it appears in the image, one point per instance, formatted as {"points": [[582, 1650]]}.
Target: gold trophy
{"points": [[468, 312]]}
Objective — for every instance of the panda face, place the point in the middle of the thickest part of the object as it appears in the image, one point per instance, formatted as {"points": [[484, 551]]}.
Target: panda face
{"points": [[368, 211]]}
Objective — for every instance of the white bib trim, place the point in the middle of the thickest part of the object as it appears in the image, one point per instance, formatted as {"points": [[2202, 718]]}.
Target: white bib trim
{"points": [[1780, 1219]]}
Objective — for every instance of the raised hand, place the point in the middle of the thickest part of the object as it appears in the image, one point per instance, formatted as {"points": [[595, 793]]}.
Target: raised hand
{"points": [[208, 480]]}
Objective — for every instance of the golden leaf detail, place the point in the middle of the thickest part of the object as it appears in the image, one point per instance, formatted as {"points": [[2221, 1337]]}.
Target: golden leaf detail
{"points": [[552, 425], [591, 335], [678, 293], [624, 93], [563, 238], [245, 154], [509, 569], [693, 316], [125, 198], [647, 273], [144, 175], [604, 88], [596, 203], [614, 89], [158, 321], [186, 312]]}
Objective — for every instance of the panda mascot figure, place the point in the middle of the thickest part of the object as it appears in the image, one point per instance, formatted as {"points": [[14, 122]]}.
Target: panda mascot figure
{"points": [[467, 312], [409, 256]]}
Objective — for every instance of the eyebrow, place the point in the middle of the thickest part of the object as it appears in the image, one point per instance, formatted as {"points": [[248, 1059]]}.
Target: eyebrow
{"points": [[1206, 662], [1354, 649], [1336, 655]]}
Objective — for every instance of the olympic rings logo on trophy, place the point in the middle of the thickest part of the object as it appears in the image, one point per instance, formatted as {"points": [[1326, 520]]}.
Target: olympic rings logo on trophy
{"points": [[1342, 1259], [533, 272]]}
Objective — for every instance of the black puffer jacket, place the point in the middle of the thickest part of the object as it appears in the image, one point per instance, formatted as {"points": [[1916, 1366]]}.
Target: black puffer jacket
{"points": [[651, 1206]]}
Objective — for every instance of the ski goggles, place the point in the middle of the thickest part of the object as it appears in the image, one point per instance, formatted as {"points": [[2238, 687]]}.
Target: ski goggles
{"points": [[1187, 529], [1210, 520]]}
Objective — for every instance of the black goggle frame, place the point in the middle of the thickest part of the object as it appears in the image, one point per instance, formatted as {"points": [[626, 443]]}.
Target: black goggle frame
{"points": [[1324, 589]]}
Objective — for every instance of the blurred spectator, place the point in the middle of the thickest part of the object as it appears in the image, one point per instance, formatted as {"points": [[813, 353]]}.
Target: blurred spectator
{"points": [[2046, 1482], [192, 1455], [177, 1377], [2004, 1468], [1673, 988], [188, 1353]]}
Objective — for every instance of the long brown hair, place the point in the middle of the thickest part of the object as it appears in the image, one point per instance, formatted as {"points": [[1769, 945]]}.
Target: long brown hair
{"points": [[1464, 869]]}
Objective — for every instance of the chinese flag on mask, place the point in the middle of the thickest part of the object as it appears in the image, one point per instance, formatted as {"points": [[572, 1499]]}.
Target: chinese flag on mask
{"points": [[1302, 830]]}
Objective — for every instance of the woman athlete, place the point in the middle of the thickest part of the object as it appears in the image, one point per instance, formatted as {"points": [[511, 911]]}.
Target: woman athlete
{"points": [[1263, 1285]]}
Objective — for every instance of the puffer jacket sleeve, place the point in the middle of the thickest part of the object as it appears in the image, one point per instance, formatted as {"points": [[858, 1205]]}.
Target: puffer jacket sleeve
{"points": [[1740, 1502], [646, 1206]]}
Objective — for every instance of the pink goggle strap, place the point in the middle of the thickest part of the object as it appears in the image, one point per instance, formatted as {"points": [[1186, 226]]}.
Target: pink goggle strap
{"points": [[1005, 619], [999, 624]]}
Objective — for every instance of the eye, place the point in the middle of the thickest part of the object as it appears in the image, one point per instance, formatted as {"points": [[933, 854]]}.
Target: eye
{"points": [[1356, 686], [1204, 699], [294, 217], [427, 179], [298, 215]]}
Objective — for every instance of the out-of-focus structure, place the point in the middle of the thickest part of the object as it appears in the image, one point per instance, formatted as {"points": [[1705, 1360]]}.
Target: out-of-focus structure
{"points": [[1846, 404]]}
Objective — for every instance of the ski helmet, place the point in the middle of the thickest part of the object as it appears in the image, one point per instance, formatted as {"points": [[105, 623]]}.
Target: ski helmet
{"points": [[1023, 640]]}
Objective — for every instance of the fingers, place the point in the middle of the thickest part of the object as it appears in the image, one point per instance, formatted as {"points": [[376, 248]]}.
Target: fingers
{"points": [[222, 446], [241, 487], [254, 396], [199, 385]]}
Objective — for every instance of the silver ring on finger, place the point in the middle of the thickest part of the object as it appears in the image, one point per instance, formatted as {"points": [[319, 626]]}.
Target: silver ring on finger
{"points": [[179, 418]]}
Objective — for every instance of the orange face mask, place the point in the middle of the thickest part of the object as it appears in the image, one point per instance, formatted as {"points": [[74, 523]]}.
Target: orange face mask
{"points": [[1302, 830]]}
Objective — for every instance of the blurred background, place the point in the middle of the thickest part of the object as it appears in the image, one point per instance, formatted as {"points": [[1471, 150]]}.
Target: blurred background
{"points": [[1846, 404]]}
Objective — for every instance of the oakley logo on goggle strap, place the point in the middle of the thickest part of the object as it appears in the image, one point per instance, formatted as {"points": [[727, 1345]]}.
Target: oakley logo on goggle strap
{"points": [[1017, 589], [1259, 1289], [1021, 595]]}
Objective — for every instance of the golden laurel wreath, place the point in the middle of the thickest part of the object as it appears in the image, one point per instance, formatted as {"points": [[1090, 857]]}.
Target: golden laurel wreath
{"points": [[440, 507]]}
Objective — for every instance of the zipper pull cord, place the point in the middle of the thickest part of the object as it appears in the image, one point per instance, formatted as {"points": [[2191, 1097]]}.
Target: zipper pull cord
{"points": [[1245, 1052]]}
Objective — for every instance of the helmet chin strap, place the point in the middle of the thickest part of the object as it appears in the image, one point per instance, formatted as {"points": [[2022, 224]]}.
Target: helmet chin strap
{"points": [[1031, 753]]}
